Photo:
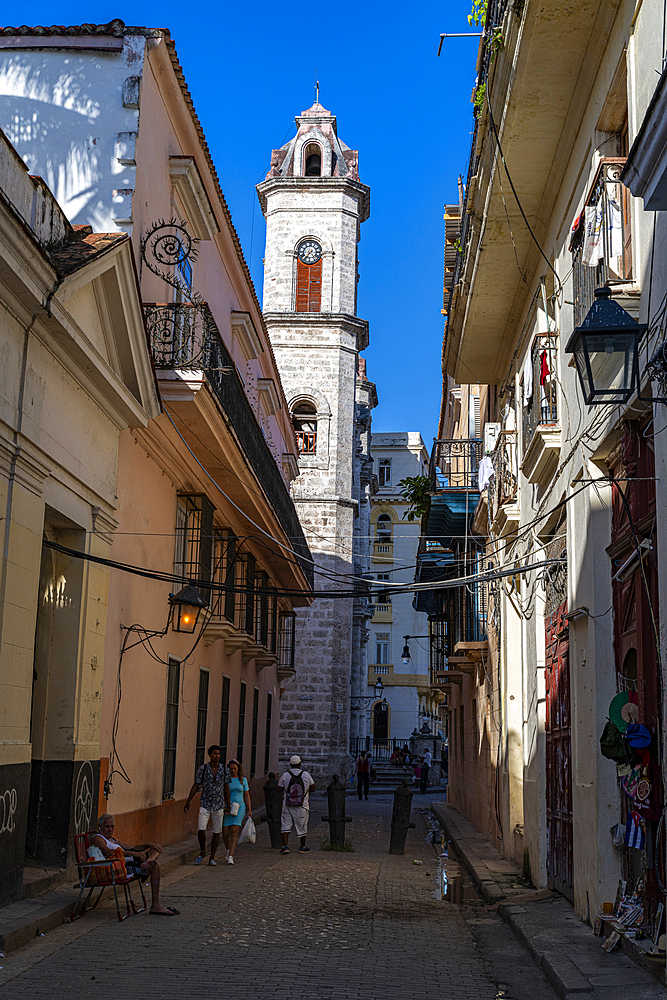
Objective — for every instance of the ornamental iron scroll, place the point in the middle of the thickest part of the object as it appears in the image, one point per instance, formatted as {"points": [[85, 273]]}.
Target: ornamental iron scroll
{"points": [[169, 245], [183, 336], [656, 369]]}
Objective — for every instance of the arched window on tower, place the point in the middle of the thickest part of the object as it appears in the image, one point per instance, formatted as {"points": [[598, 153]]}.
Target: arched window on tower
{"points": [[312, 160], [304, 418]]}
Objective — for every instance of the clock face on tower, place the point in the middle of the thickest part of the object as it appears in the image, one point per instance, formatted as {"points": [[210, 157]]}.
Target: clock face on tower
{"points": [[309, 252]]}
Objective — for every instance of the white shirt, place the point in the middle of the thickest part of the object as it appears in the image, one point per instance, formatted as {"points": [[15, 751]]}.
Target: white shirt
{"points": [[427, 758], [305, 777]]}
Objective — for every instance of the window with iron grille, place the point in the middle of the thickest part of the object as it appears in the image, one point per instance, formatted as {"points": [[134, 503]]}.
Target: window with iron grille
{"points": [[304, 417], [245, 584], [193, 555], [202, 718], [255, 723], [262, 609], [223, 598], [437, 630], [171, 728], [241, 730], [267, 732], [224, 719], [286, 641]]}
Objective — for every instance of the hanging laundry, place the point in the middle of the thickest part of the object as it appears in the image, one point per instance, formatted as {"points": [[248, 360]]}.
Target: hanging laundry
{"points": [[528, 381], [544, 368], [484, 472], [593, 222], [634, 833]]}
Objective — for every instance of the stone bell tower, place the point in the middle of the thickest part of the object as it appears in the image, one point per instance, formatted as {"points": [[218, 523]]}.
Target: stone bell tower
{"points": [[314, 204]]}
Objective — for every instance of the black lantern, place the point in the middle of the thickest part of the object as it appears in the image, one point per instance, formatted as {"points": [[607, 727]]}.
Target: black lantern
{"points": [[606, 351], [186, 608], [379, 688], [405, 655]]}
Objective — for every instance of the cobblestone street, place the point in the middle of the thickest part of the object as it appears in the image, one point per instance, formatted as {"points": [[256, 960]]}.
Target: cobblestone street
{"points": [[359, 926]]}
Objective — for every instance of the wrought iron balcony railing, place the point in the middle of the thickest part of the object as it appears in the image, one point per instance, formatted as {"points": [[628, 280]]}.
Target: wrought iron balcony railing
{"points": [[601, 245], [184, 336], [540, 408], [504, 486], [455, 464]]}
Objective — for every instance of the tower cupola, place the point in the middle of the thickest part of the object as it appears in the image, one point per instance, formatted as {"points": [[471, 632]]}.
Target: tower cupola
{"points": [[315, 150]]}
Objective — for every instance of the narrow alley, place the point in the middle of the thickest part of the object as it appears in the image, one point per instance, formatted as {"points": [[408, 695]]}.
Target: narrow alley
{"points": [[360, 926]]}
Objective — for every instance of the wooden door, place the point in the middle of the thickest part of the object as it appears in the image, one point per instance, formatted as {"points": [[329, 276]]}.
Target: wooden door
{"points": [[558, 755]]}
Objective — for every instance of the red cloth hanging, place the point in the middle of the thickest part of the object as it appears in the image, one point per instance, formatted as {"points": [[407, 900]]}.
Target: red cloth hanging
{"points": [[544, 367]]}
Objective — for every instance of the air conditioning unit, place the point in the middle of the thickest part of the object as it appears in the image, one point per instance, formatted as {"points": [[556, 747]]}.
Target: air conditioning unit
{"points": [[491, 435]]}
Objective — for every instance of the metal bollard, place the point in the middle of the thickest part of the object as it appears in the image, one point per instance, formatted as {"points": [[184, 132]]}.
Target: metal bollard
{"points": [[336, 818], [400, 818], [273, 797]]}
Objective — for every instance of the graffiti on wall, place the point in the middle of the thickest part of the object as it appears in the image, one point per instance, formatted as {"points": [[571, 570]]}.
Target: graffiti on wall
{"points": [[8, 811]]}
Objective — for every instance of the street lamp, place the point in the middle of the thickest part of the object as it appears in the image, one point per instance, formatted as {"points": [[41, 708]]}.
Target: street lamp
{"points": [[606, 351], [186, 607], [364, 701], [405, 655]]}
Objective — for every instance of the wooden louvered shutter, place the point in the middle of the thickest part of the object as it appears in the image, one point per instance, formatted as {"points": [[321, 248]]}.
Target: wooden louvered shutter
{"points": [[308, 286]]}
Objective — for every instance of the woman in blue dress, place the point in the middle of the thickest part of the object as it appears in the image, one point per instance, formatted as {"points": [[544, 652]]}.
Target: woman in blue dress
{"points": [[239, 793]]}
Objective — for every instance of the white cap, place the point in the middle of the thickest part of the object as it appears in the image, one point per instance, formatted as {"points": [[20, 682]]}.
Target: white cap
{"points": [[294, 760]]}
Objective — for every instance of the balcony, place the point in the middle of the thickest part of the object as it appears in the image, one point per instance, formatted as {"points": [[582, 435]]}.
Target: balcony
{"points": [[454, 464], [454, 495], [382, 613], [601, 243], [540, 426], [184, 337], [383, 552], [502, 495]]}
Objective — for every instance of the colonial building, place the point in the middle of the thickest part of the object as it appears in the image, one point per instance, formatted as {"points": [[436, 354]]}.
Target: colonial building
{"points": [[314, 204], [407, 701], [201, 492], [75, 374], [575, 497]]}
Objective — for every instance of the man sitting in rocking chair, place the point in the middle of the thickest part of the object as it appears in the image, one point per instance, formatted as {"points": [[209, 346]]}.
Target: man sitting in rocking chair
{"points": [[140, 860]]}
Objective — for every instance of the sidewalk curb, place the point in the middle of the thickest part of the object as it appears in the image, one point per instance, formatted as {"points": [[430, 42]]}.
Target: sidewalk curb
{"points": [[563, 974], [467, 855]]}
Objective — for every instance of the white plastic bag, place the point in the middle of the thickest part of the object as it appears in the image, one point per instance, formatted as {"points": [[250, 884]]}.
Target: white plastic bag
{"points": [[248, 834]]}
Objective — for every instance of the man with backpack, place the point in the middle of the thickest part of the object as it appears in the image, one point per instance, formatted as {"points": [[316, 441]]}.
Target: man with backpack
{"points": [[296, 784]]}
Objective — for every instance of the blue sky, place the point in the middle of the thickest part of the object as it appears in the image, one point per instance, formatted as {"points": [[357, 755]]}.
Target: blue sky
{"points": [[251, 68]]}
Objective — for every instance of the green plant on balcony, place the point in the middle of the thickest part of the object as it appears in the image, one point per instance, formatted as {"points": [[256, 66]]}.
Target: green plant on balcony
{"points": [[478, 13], [415, 489], [478, 98]]}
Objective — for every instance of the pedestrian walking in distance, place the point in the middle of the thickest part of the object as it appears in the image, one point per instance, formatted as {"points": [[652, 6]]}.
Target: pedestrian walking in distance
{"points": [[240, 805], [212, 780], [296, 784], [362, 767], [423, 777]]}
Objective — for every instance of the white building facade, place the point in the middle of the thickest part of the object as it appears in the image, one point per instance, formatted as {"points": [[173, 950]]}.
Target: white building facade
{"points": [[410, 703], [314, 204]]}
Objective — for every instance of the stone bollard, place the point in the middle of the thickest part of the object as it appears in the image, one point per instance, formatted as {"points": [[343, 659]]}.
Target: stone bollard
{"points": [[336, 818], [400, 818], [273, 797]]}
